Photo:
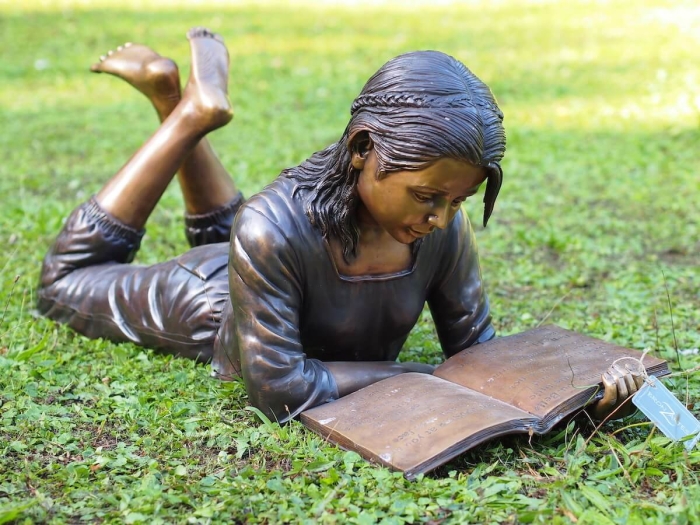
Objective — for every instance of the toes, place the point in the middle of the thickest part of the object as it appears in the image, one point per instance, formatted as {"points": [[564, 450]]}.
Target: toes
{"points": [[195, 32], [202, 32], [97, 66], [113, 51]]}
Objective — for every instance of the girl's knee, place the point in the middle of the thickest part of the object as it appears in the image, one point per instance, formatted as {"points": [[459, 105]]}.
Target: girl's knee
{"points": [[90, 237]]}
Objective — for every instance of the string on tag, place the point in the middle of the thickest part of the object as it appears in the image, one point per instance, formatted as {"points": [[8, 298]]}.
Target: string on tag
{"points": [[640, 363]]}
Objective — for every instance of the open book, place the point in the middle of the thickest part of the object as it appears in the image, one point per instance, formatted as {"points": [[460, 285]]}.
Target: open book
{"points": [[521, 383]]}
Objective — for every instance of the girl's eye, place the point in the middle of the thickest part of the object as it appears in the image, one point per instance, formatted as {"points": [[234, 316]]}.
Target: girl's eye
{"points": [[421, 197], [457, 202]]}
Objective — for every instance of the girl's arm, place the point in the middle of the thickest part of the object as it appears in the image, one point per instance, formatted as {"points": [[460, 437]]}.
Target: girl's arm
{"points": [[351, 376], [457, 299]]}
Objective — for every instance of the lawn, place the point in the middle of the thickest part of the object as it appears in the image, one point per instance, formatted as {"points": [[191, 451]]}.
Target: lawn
{"points": [[597, 229]]}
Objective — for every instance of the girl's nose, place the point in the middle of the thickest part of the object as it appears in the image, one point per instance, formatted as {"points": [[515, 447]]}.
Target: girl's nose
{"points": [[438, 219]]}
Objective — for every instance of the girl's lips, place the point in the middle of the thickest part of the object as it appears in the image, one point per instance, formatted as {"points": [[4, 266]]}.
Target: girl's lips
{"points": [[417, 234]]}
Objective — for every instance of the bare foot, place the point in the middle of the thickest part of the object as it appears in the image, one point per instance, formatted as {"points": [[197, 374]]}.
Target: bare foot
{"points": [[205, 98], [155, 76]]}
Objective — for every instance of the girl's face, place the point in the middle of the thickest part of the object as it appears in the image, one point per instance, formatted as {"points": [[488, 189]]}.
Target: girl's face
{"points": [[409, 205]]}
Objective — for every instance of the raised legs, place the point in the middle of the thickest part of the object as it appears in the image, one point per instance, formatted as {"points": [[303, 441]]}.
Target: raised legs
{"points": [[179, 143]]}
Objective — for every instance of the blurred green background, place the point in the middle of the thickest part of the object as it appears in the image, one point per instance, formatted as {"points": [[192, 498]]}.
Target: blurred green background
{"points": [[596, 229]]}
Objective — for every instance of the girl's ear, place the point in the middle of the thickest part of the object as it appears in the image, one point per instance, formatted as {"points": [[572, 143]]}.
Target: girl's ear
{"points": [[359, 145]]}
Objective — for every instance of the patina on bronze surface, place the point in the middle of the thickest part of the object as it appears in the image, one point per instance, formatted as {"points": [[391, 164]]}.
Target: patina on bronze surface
{"points": [[328, 268]]}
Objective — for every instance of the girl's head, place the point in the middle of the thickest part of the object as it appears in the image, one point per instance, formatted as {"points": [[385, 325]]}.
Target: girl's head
{"points": [[424, 106], [418, 108]]}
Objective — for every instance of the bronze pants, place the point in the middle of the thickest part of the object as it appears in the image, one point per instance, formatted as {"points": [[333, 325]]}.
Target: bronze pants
{"points": [[175, 306]]}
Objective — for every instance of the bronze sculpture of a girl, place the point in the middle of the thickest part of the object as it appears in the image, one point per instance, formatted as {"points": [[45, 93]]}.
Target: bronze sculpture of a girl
{"points": [[328, 268]]}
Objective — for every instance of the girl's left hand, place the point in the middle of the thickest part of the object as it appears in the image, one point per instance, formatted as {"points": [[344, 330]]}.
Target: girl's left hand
{"points": [[621, 382]]}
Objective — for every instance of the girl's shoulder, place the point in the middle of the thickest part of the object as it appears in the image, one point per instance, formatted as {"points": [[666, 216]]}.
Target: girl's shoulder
{"points": [[275, 214], [277, 199]]}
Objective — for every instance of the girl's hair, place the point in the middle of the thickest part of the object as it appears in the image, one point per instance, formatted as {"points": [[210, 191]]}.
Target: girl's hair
{"points": [[418, 108]]}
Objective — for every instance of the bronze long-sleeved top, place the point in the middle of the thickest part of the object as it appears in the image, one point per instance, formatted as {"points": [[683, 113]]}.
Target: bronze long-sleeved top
{"points": [[291, 310]]}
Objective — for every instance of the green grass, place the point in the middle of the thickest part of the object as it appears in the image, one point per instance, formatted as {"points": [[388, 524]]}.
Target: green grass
{"points": [[598, 224]]}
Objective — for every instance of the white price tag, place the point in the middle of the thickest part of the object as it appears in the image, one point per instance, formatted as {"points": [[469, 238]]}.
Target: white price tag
{"points": [[666, 412]]}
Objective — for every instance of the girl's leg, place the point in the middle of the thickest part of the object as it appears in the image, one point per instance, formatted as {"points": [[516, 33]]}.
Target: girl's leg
{"points": [[133, 192], [174, 306], [205, 183]]}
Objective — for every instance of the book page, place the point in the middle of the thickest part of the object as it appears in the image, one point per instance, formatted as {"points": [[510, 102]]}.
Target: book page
{"points": [[410, 419], [539, 370]]}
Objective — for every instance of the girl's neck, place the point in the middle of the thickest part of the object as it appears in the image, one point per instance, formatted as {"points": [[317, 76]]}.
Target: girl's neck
{"points": [[378, 253]]}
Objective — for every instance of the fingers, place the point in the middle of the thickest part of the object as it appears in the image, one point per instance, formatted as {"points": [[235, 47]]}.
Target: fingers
{"points": [[609, 381], [638, 380], [620, 381], [604, 406], [631, 375], [622, 391], [610, 393], [619, 378], [637, 373]]}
